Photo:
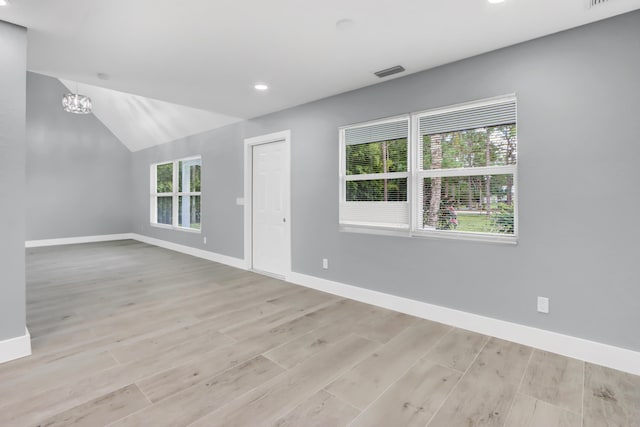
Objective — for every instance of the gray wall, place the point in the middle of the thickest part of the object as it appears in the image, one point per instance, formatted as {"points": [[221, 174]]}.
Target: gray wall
{"points": [[78, 172], [578, 105], [13, 65], [222, 178]]}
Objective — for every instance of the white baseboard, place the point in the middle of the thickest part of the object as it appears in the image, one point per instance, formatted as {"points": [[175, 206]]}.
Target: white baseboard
{"points": [[15, 348], [76, 240], [590, 351], [594, 352], [211, 256]]}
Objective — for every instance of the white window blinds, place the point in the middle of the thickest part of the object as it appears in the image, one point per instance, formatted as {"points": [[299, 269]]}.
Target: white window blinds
{"points": [[465, 180], [377, 132], [469, 117], [463, 175], [374, 174]]}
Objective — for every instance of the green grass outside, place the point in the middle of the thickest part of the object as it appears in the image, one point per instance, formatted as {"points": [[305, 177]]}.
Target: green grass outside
{"points": [[474, 222]]}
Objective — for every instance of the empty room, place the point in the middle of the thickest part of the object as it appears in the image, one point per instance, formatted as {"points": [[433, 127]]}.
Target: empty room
{"points": [[339, 213]]}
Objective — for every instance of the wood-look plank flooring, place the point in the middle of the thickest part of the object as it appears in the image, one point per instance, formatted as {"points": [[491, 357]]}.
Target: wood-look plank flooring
{"points": [[126, 334]]}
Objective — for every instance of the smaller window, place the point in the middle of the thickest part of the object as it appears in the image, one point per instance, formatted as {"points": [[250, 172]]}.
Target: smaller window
{"points": [[375, 173], [175, 194]]}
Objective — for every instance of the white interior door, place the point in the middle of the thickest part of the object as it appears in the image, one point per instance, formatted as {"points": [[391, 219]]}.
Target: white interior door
{"points": [[269, 208]]}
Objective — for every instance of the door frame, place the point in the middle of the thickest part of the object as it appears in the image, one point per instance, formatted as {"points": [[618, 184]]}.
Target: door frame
{"points": [[285, 137]]}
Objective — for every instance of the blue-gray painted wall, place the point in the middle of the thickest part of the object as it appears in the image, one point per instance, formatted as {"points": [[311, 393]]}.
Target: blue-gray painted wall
{"points": [[578, 105], [78, 172], [13, 65]]}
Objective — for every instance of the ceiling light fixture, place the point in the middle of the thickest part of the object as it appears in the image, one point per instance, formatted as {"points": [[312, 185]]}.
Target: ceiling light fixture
{"points": [[260, 86], [4, 2], [76, 103], [495, 1]]}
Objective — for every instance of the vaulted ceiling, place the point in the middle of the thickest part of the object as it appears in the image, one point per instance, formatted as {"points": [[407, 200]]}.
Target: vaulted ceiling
{"points": [[140, 122]]}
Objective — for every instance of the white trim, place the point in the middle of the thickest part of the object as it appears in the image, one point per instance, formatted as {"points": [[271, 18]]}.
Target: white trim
{"points": [[385, 230], [188, 250], [594, 352], [15, 348], [374, 229], [412, 185], [76, 240], [176, 228], [471, 236], [480, 170], [175, 194], [284, 136], [376, 176], [199, 253]]}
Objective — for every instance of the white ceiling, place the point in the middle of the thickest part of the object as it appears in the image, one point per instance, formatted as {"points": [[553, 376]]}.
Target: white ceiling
{"points": [[140, 122], [207, 54]]}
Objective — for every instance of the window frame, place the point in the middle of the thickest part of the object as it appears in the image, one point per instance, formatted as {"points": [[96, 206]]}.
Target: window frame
{"points": [[372, 227], [175, 195], [415, 175]]}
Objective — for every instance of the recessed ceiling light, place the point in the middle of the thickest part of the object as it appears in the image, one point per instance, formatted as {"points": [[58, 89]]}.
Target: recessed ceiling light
{"points": [[495, 1], [260, 86], [4, 2], [101, 76]]}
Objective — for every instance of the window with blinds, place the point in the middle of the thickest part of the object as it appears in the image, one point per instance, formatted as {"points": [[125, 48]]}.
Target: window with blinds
{"points": [[462, 182], [375, 173], [466, 168]]}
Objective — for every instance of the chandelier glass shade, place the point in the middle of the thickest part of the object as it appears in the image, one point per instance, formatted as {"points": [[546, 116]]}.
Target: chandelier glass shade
{"points": [[76, 103]]}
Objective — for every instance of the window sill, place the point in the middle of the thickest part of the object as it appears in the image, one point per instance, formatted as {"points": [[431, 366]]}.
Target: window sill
{"points": [[472, 237], [447, 235], [382, 231], [171, 227]]}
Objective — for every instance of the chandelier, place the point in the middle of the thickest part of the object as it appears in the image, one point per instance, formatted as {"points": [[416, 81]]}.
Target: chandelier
{"points": [[76, 103]]}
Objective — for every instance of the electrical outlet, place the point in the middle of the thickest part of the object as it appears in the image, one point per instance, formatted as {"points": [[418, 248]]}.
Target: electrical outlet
{"points": [[325, 263], [543, 305], [204, 239]]}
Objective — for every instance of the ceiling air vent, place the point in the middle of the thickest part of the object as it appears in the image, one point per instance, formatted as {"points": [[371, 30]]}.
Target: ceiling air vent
{"points": [[399, 68], [594, 3]]}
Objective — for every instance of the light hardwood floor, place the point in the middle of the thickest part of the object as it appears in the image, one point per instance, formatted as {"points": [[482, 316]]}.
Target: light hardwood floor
{"points": [[126, 334]]}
